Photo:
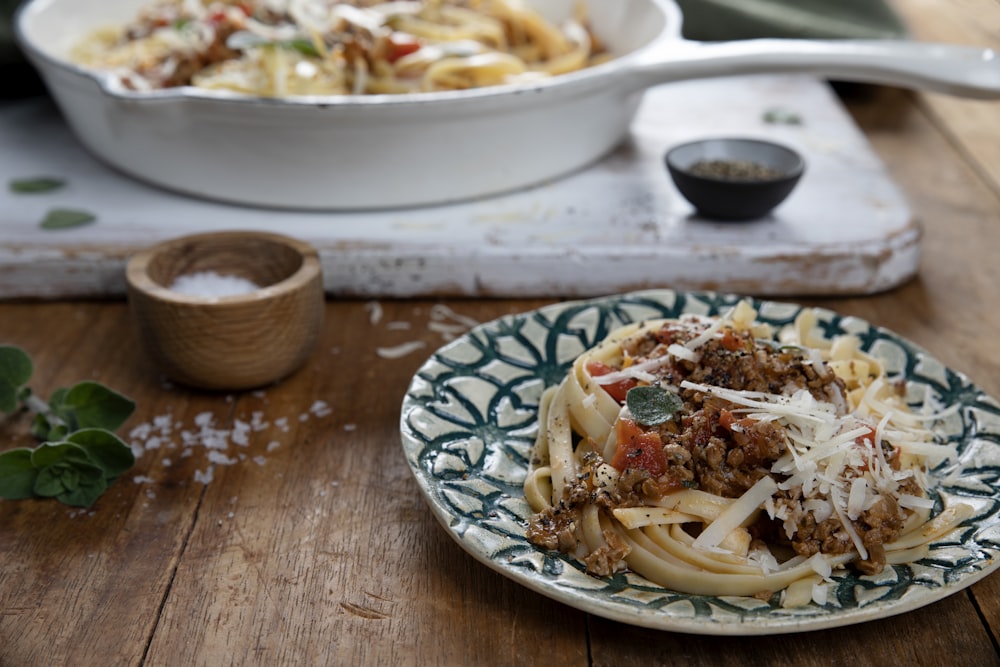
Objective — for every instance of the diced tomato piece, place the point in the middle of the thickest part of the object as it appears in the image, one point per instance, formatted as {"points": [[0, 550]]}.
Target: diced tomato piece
{"points": [[867, 438], [726, 419], [401, 44], [615, 390], [638, 449], [731, 341]]}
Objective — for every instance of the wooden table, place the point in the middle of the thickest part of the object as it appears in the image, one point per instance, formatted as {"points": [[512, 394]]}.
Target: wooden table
{"points": [[317, 548]]}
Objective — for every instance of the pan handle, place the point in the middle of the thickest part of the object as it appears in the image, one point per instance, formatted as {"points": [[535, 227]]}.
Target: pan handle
{"points": [[945, 68]]}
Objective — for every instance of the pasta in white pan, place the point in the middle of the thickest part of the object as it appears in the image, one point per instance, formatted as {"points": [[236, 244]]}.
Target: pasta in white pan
{"points": [[715, 456], [279, 48]]}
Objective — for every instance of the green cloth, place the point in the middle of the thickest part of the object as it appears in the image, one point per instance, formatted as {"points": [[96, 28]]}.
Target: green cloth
{"points": [[718, 20]]}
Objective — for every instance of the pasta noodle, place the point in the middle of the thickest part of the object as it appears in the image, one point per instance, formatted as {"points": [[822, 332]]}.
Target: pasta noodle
{"points": [[712, 457], [280, 48]]}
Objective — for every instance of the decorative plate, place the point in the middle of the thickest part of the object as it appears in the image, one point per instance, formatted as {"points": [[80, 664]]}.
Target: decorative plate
{"points": [[469, 420]]}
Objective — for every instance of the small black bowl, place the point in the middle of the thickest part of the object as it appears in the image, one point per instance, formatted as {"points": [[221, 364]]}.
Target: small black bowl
{"points": [[734, 179]]}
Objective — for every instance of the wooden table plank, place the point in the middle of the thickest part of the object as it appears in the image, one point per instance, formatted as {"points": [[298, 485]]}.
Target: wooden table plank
{"points": [[320, 550], [971, 124]]}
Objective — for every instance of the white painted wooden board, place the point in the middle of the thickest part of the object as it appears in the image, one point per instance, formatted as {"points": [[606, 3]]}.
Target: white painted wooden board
{"points": [[615, 226]]}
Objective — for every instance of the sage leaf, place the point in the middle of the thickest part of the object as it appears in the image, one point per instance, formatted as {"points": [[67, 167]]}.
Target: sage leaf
{"points": [[15, 371], [36, 185], [17, 474], [652, 405], [65, 218]]}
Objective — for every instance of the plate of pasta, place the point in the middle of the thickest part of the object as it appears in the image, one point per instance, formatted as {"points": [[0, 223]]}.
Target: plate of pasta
{"points": [[708, 463]]}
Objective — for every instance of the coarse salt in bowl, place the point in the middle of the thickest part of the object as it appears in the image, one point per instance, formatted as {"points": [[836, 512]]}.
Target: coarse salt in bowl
{"points": [[227, 310]]}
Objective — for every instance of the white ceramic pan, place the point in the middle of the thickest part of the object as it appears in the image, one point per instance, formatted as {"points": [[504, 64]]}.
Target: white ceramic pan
{"points": [[407, 150]]}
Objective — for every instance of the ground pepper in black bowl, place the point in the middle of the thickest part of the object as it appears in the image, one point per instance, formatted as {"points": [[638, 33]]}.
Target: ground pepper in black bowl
{"points": [[734, 178]]}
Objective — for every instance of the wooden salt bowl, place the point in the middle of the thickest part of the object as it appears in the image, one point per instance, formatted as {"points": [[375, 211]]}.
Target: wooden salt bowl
{"points": [[228, 342]]}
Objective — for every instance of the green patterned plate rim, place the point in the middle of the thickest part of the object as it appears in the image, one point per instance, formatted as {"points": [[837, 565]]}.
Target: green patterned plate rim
{"points": [[469, 419]]}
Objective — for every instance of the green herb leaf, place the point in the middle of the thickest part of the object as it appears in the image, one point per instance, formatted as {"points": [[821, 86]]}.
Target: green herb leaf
{"points": [[71, 482], [651, 405], [15, 371], [67, 473], [782, 117], [64, 218], [86, 493], [50, 453], [304, 46], [95, 406], [17, 474], [36, 185], [82, 455], [104, 449]]}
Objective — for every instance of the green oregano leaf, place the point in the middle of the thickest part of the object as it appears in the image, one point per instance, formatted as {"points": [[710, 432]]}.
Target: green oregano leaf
{"points": [[15, 371], [36, 185], [50, 453], [17, 474], [93, 405], [67, 473], [64, 218], [304, 46], [71, 482], [80, 455], [779, 116], [651, 405], [105, 450], [86, 493]]}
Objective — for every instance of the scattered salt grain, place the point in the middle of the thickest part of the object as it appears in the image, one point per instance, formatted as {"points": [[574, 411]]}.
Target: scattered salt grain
{"points": [[448, 323], [398, 325], [218, 457], [212, 284], [320, 408], [350, 427], [273, 445], [399, 351], [259, 460], [204, 477], [374, 309]]}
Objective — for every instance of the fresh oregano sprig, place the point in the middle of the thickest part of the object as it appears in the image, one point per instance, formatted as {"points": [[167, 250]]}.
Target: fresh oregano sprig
{"points": [[79, 456]]}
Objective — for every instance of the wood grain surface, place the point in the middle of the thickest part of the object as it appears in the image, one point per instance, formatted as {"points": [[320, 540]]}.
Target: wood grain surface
{"points": [[316, 547]]}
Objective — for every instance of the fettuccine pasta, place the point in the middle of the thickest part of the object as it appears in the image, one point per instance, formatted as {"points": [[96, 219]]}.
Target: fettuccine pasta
{"points": [[279, 48], [713, 458]]}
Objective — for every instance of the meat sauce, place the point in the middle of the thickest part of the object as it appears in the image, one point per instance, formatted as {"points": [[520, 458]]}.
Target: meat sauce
{"points": [[707, 445]]}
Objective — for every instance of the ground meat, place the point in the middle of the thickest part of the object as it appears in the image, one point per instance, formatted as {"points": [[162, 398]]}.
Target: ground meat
{"points": [[604, 561], [710, 444], [548, 529]]}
